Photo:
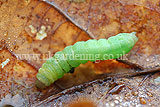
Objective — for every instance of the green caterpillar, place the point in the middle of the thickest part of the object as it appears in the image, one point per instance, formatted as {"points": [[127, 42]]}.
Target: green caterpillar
{"points": [[81, 52]]}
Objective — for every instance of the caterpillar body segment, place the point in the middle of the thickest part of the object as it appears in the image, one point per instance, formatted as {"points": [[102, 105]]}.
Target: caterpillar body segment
{"points": [[82, 52], [69, 53], [79, 48], [62, 62]]}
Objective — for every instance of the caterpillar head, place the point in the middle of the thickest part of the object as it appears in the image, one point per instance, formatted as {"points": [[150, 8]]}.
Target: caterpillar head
{"points": [[128, 39]]}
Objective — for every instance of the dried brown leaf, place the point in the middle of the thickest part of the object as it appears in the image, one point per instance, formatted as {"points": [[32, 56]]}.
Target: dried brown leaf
{"points": [[141, 91], [105, 18]]}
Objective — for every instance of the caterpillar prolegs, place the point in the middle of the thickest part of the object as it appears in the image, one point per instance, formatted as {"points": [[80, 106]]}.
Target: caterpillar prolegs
{"points": [[82, 52]]}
